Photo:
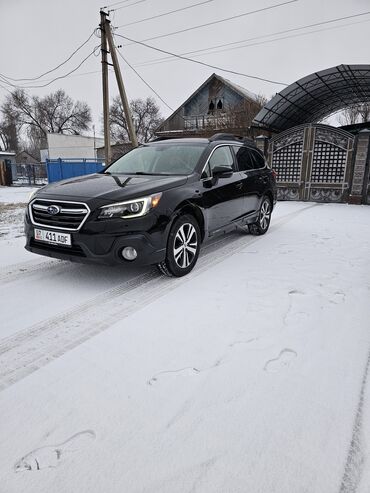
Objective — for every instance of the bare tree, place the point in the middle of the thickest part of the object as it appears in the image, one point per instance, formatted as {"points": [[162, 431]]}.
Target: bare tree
{"points": [[8, 136], [355, 114], [145, 114], [54, 113], [364, 111]]}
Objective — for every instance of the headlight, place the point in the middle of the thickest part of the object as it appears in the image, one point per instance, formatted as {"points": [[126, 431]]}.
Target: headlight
{"points": [[131, 208], [32, 194]]}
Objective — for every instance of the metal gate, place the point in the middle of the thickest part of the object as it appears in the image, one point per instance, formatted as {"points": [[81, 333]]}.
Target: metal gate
{"points": [[313, 162]]}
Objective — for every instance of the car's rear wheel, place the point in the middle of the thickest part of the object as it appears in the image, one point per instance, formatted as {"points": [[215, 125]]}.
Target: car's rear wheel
{"points": [[183, 247], [262, 224]]}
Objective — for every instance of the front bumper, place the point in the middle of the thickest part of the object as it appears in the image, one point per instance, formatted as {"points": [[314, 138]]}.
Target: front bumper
{"points": [[94, 245]]}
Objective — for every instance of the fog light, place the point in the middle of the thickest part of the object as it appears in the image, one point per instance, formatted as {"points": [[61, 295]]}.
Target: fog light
{"points": [[129, 253]]}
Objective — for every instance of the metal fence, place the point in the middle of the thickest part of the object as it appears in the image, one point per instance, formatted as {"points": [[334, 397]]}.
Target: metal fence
{"points": [[25, 174], [60, 169]]}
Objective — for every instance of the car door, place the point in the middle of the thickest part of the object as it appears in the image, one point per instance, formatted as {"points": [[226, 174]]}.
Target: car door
{"points": [[262, 175], [250, 177], [223, 198]]}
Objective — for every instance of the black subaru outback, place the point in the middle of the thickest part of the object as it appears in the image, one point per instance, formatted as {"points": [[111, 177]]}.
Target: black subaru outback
{"points": [[155, 205]]}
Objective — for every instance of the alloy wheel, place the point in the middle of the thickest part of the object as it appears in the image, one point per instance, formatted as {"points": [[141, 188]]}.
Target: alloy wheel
{"points": [[265, 214], [185, 245]]}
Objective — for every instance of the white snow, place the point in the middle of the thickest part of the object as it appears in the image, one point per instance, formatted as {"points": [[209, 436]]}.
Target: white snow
{"points": [[15, 195], [248, 375]]}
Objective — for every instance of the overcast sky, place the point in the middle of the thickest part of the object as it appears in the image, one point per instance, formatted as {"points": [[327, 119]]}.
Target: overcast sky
{"points": [[39, 34]]}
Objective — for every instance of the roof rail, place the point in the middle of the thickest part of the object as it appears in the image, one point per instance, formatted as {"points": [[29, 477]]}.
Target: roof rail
{"points": [[237, 138], [249, 142], [222, 136], [157, 139]]}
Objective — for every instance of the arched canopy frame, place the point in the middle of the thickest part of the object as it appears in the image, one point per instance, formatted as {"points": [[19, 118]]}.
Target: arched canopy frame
{"points": [[315, 97]]}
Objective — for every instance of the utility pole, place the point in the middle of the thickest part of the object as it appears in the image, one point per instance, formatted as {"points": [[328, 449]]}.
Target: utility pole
{"points": [[121, 87], [104, 62]]}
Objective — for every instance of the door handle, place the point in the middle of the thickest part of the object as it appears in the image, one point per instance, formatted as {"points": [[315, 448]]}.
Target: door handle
{"points": [[239, 185]]}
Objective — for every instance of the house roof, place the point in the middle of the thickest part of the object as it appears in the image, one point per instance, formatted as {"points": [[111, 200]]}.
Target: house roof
{"points": [[26, 152], [244, 93], [316, 96], [7, 153]]}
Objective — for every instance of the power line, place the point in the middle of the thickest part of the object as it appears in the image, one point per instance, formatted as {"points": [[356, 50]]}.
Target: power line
{"points": [[5, 88], [126, 6], [165, 13], [202, 63], [53, 80], [203, 51], [55, 68], [286, 37], [143, 80], [113, 4], [218, 21]]}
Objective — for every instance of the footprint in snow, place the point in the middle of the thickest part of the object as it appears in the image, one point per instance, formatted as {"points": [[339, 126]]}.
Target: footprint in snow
{"points": [[338, 297], [51, 456], [184, 372], [296, 291], [282, 361]]}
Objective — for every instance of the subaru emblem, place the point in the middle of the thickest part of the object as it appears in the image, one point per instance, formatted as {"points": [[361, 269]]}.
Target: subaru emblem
{"points": [[53, 209]]}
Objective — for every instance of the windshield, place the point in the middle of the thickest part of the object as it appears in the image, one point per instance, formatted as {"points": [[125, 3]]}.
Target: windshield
{"points": [[159, 159]]}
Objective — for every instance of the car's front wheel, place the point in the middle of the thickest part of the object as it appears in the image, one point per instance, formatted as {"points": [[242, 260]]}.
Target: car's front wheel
{"points": [[183, 247], [262, 224]]}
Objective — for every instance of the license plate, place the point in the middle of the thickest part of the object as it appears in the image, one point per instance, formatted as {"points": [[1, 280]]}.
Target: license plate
{"points": [[53, 237]]}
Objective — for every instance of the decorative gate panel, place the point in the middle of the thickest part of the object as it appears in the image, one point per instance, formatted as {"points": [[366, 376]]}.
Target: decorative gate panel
{"points": [[287, 152], [313, 162]]}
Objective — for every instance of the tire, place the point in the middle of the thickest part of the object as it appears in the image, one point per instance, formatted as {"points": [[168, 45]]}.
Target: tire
{"points": [[262, 224], [183, 247]]}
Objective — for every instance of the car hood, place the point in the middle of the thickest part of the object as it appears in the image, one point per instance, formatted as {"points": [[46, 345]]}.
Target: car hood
{"points": [[109, 188]]}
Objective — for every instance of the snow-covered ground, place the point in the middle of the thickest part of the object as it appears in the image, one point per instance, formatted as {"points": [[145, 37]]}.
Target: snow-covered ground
{"points": [[248, 375]]}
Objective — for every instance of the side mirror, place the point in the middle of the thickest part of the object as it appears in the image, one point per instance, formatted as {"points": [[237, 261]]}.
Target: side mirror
{"points": [[222, 172]]}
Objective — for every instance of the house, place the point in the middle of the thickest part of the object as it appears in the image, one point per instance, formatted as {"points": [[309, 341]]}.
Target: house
{"points": [[217, 105], [117, 150], [7, 156], [62, 146], [24, 157]]}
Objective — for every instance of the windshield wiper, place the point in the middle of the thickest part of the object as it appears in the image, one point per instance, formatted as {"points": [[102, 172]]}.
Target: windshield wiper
{"points": [[150, 174], [142, 173]]}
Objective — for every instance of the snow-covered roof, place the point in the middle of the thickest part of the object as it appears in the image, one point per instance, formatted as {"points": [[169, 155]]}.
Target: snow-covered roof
{"points": [[7, 153], [241, 90]]}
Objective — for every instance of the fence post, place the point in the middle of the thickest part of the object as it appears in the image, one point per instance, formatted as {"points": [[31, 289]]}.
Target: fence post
{"points": [[361, 158]]}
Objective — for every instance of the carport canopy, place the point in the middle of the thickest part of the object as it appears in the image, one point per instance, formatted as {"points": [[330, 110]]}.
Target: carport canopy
{"points": [[315, 97]]}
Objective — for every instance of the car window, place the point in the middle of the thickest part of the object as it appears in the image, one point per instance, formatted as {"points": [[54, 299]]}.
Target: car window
{"points": [[259, 160], [244, 158], [167, 158], [222, 156]]}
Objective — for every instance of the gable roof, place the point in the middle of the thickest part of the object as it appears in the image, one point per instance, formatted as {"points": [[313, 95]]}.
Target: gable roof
{"points": [[244, 93], [23, 152]]}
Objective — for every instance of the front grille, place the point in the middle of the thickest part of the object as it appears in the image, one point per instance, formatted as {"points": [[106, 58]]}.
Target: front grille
{"points": [[75, 250], [70, 215]]}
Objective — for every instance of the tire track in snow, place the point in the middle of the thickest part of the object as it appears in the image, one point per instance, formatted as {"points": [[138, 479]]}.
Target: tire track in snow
{"points": [[355, 458], [30, 349], [16, 271]]}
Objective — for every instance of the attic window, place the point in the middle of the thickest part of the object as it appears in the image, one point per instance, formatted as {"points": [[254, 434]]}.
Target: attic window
{"points": [[219, 104], [211, 106]]}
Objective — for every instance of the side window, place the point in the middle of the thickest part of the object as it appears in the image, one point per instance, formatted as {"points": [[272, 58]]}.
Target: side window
{"points": [[259, 160], [244, 158], [222, 156]]}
